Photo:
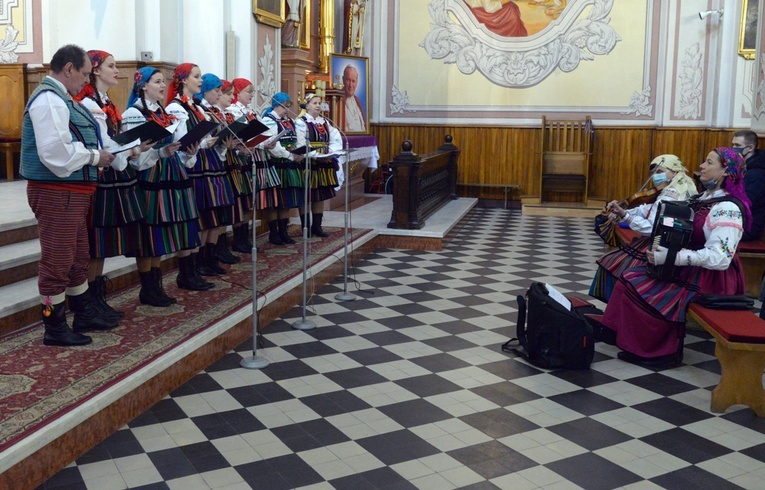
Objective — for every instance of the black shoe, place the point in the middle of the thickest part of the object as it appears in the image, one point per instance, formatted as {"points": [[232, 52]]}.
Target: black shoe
{"points": [[87, 315], [659, 362], [305, 223], [150, 293], [187, 276], [222, 252], [284, 224], [241, 242], [99, 288], [57, 331], [160, 288], [211, 259], [203, 265], [273, 233], [316, 225]]}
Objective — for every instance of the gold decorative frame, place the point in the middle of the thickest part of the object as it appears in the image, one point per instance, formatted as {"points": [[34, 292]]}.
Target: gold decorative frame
{"points": [[747, 37], [269, 12], [304, 34]]}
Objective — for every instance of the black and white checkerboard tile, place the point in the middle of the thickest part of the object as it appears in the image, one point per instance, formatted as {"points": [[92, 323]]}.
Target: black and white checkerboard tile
{"points": [[407, 387]]}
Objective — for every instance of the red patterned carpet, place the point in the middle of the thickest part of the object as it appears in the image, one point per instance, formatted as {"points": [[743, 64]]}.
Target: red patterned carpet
{"points": [[39, 384]]}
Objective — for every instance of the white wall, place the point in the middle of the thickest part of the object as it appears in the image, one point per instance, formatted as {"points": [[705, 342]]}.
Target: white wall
{"points": [[109, 25]]}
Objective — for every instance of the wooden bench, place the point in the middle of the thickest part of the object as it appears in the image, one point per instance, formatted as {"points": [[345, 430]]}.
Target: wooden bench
{"points": [[422, 184], [505, 187], [740, 348], [752, 256]]}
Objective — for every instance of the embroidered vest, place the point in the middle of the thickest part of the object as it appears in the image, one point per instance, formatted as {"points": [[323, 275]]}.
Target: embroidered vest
{"points": [[289, 139], [82, 127]]}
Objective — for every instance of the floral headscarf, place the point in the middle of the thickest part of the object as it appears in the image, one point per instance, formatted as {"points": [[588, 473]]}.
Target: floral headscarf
{"points": [[140, 78], [735, 170], [180, 74], [97, 58]]}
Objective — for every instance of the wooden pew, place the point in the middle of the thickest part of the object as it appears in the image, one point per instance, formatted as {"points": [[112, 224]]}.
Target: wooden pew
{"points": [[740, 348], [422, 183], [752, 255]]}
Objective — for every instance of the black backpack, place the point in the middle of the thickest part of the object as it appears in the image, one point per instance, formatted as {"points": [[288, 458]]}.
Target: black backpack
{"points": [[555, 337]]}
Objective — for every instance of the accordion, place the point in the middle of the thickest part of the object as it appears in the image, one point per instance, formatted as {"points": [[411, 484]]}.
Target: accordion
{"points": [[672, 229]]}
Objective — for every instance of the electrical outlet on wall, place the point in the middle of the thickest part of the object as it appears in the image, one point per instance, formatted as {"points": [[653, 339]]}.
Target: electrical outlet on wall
{"points": [[147, 56]]}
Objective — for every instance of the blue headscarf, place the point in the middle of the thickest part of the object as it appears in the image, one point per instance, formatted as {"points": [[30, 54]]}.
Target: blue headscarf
{"points": [[209, 82], [142, 75], [278, 99]]}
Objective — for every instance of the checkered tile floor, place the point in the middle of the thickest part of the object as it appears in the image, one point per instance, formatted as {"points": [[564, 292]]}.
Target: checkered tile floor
{"points": [[407, 387]]}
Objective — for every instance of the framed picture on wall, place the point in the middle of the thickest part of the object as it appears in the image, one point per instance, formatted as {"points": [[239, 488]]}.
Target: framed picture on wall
{"points": [[352, 73], [747, 38], [270, 12]]}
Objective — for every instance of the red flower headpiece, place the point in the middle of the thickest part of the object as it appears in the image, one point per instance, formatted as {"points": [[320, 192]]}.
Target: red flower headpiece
{"points": [[180, 74]]}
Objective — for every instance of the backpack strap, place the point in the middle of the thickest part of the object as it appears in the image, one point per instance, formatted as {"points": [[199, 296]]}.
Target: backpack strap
{"points": [[520, 331]]}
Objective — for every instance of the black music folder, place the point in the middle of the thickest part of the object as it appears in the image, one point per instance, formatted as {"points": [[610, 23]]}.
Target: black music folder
{"points": [[149, 131], [243, 131], [202, 129], [299, 151]]}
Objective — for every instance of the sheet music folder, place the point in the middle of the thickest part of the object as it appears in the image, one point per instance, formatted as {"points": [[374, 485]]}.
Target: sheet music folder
{"points": [[202, 129], [149, 131]]}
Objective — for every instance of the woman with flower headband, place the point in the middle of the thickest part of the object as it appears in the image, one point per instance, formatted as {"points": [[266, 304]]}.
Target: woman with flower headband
{"points": [[240, 181], [172, 224], [186, 83], [265, 195], [648, 314], [326, 172], [286, 164], [118, 206], [214, 193]]}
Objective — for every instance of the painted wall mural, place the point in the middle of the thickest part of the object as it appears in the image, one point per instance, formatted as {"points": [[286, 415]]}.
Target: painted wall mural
{"points": [[519, 43]]}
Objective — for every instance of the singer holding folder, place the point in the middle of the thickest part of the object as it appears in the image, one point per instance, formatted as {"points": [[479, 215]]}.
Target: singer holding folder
{"points": [[287, 164], [118, 206], [265, 195], [186, 83], [215, 192], [325, 162], [172, 224]]}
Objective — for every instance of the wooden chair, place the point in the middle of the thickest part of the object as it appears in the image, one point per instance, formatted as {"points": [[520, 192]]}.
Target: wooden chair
{"points": [[12, 100], [565, 159]]}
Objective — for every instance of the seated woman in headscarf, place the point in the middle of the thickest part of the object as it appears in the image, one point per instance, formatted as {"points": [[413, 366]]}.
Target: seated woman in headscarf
{"points": [[648, 314], [665, 170]]}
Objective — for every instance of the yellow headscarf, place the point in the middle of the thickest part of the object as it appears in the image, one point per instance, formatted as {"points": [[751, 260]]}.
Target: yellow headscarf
{"points": [[681, 185]]}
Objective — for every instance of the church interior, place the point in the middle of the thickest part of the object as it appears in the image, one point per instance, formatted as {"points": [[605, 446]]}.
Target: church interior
{"points": [[480, 139]]}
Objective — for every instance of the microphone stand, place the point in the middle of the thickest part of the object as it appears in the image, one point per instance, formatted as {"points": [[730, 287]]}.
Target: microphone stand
{"points": [[345, 295], [303, 323], [254, 361]]}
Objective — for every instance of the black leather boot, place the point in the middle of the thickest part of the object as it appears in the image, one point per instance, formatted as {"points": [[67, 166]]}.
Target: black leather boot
{"points": [[187, 275], [203, 267], [57, 331], [283, 231], [196, 258], [273, 233], [150, 294], [241, 242], [223, 253], [160, 288], [211, 259], [305, 224], [98, 287], [316, 225], [87, 315]]}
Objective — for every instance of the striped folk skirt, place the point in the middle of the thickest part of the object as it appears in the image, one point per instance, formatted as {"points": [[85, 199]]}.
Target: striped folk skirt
{"points": [[212, 189], [172, 221], [118, 208]]}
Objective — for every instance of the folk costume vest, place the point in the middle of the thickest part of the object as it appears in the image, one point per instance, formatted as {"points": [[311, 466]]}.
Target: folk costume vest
{"points": [[82, 127]]}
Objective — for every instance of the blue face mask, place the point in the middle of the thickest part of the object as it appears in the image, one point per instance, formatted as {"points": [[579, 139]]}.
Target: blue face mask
{"points": [[659, 179]]}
